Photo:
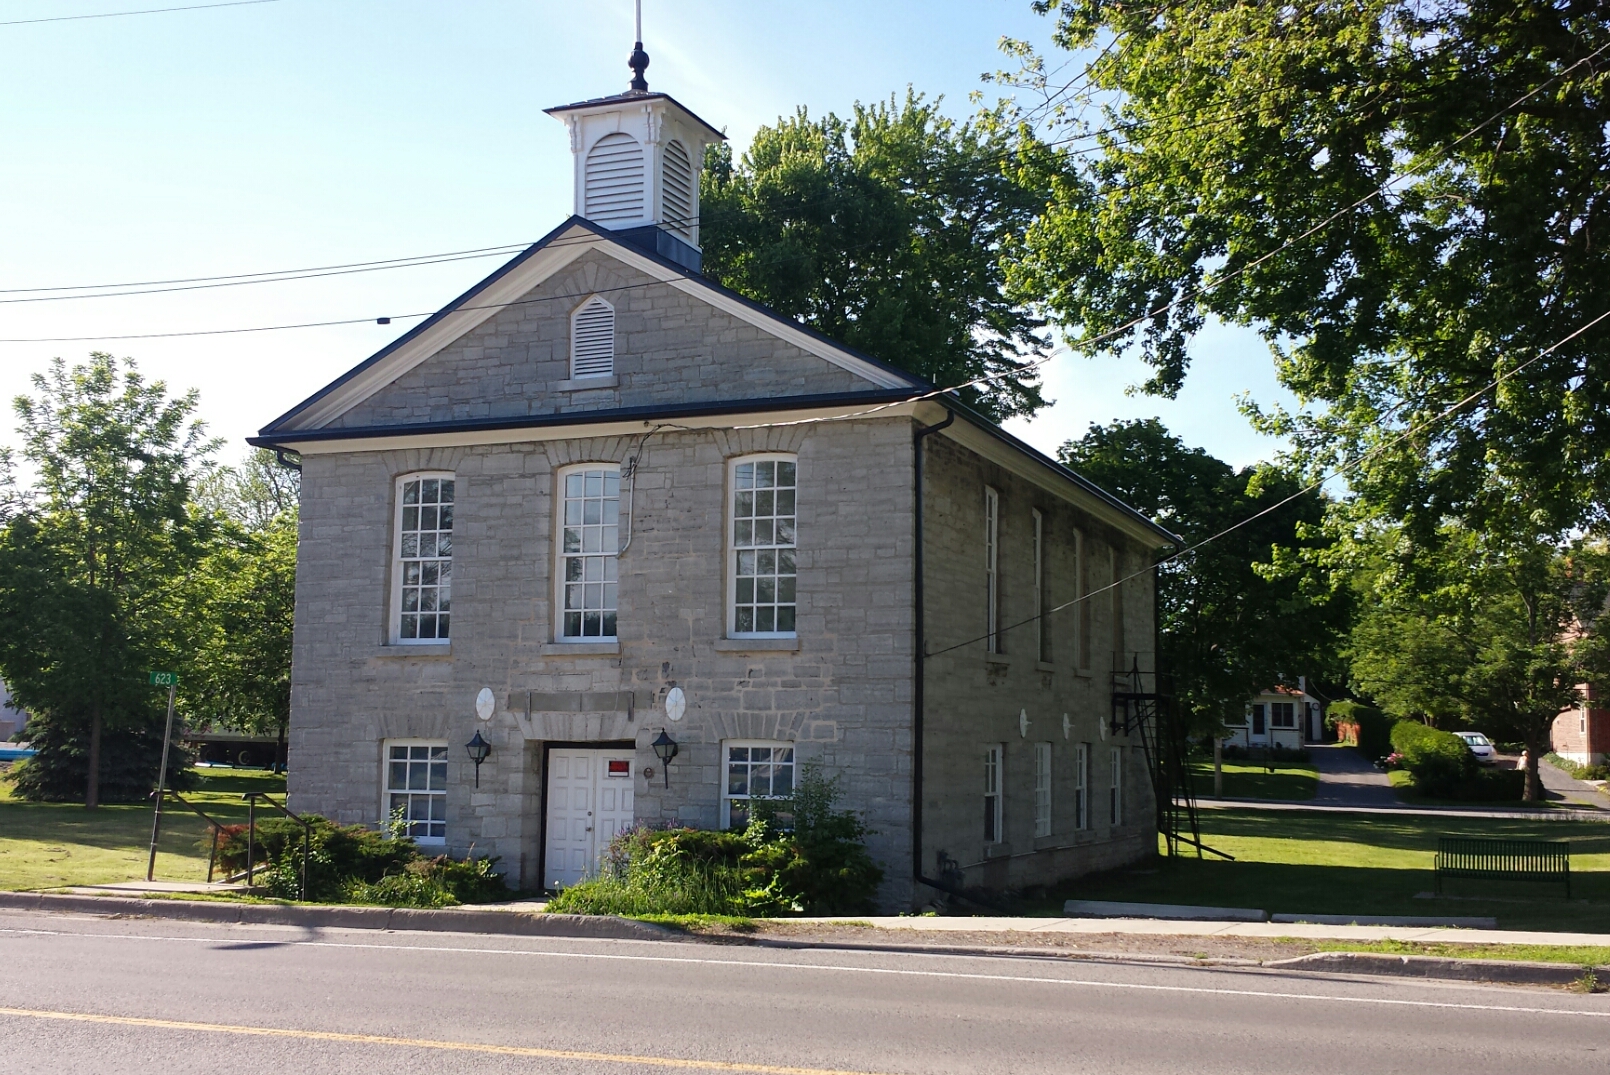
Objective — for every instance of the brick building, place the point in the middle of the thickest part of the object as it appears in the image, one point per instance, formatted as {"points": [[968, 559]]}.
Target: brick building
{"points": [[1582, 734], [599, 498]]}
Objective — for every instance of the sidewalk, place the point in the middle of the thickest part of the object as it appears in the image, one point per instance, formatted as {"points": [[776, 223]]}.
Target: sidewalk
{"points": [[502, 918], [1267, 930]]}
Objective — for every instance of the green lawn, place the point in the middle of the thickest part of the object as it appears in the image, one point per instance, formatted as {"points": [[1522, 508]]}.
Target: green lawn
{"points": [[1366, 864], [1255, 780], [52, 845]]}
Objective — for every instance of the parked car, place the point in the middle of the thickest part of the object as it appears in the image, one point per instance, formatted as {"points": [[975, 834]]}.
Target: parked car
{"points": [[1481, 746]]}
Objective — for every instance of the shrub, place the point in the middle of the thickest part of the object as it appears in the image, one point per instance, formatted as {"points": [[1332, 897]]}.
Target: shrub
{"points": [[432, 882], [1439, 761], [1580, 772], [354, 864], [819, 866]]}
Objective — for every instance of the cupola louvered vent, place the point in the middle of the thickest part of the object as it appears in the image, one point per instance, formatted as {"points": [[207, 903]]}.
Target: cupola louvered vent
{"points": [[678, 189], [592, 339], [615, 180]]}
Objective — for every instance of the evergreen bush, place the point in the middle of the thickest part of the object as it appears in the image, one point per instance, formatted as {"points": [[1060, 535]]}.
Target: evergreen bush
{"points": [[131, 753], [1439, 761]]}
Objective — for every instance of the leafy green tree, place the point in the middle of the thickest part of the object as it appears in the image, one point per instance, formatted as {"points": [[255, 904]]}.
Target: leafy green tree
{"points": [[1484, 633], [1244, 611], [92, 569], [1230, 130], [889, 231], [244, 600]]}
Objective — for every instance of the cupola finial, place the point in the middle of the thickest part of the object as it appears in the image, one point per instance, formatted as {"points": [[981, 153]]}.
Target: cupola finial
{"points": [[638, 61]]}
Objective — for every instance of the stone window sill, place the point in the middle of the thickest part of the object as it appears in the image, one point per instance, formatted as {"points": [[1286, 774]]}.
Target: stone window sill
{"points": [[1044, 666], [757, 645], [582, 649], [398, 650], [583, 384], [997, 851], [999, 660], [1049, 843]]}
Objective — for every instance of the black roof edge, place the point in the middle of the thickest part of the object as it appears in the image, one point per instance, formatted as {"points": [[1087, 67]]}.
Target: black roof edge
{"points": [[629, 96], [951, 401], [537, 247], [592, 417]]}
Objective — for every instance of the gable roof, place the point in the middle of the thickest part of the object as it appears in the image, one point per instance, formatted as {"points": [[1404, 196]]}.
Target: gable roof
{"points": [[506, 285], [633, 98], [309, 421]]}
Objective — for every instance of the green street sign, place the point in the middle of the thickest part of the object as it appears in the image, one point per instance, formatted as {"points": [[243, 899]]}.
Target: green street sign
{"points": [[164, 679]]}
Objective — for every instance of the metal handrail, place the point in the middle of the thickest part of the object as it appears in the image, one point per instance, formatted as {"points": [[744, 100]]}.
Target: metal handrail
{"points": [[217, 826], [251, 798]]}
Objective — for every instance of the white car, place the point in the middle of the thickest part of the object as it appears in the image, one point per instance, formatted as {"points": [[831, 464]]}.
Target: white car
{"points": [[1479, 745]]}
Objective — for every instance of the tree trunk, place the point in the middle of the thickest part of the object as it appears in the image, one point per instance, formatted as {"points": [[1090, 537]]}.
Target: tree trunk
{"points": [[92, 790], [1534, 757]]}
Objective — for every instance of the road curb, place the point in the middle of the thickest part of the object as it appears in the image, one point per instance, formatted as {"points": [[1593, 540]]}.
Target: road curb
{"points": [[1510, 972], [451, 920]]}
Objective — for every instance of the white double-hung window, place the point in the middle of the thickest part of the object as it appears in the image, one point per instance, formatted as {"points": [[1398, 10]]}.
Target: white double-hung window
{"points": [[589, 540], [756, 771], [1081, 786], [992, 578], [416, 788], [422, 574], [1042, 789], [1116, 787], [993, 804], [764, 545]]}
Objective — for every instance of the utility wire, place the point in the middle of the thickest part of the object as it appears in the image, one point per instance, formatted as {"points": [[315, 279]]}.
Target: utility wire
{"points": [[1345, 468], [147, 11]]}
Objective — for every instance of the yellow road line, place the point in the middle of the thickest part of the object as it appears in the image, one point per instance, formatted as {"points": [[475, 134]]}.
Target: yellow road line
{"points": [[423, 1043]]}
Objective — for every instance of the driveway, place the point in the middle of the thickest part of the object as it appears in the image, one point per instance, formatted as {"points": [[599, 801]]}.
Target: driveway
{"points": [[1561, 786], [1347, 779]]}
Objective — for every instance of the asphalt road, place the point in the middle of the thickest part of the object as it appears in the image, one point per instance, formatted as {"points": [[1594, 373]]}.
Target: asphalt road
{"points": [[135, 997]]}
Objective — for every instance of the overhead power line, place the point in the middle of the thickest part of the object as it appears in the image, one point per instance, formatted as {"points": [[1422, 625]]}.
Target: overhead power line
{"points": [[146, 11]]}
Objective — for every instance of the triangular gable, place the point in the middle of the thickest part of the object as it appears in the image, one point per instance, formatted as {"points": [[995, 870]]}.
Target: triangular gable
{"points": [[528, 270]]}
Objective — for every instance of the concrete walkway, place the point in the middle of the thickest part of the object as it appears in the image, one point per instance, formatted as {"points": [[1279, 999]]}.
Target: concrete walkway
{"points": [[1560, 785], [1347, 779], [1184, 928]]}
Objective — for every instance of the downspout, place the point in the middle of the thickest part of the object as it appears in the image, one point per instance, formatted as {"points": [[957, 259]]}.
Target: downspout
{"points": [[920, 650], [288, 464]]}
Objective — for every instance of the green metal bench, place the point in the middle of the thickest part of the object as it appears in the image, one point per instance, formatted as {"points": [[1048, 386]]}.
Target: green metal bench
{"points": [[1523, 860]]}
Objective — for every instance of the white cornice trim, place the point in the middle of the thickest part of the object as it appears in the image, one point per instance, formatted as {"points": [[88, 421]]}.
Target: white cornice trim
{"points": [[1033, 470], [561, 251], [575, 431], [770, 323], [481, 307]]}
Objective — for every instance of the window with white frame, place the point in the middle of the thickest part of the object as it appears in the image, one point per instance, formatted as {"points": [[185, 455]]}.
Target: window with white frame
{"points": [[422, 587], [1116, 788], [1081, 786], [992, 584], [588, 543], [592, 339], [992, 793], [756, 771], [1042, 789], [764, 544], [1283, 714], [416, 788], [1042, 627], [1081, 589]]}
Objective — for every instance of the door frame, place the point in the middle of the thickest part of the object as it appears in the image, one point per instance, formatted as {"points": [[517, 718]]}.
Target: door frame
{"points": [[542, 807]]}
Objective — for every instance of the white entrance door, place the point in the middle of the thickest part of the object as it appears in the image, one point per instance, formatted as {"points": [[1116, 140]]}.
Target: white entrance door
{"points": [[589, 801]]}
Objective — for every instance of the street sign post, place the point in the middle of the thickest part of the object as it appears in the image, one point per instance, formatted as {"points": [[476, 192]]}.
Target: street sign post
{"points": [[169, 680]]}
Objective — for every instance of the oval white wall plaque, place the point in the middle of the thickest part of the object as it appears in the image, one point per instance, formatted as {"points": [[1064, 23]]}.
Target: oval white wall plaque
{"points": [[1023, 723], [675, 704], [485, 704]]}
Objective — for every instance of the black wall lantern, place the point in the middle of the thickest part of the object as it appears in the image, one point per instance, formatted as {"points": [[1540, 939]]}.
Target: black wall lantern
{"points": [[479, 750], [665, 749]]}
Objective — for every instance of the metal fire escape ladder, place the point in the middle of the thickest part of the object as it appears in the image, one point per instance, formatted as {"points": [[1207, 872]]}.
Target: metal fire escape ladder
{"points": [[1153, 716]]}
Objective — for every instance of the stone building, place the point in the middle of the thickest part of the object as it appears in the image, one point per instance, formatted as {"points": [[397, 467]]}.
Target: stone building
{"points": [[599, 500]]}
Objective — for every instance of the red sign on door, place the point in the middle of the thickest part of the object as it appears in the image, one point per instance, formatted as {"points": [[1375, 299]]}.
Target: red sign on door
{"points": [[620, 767]]}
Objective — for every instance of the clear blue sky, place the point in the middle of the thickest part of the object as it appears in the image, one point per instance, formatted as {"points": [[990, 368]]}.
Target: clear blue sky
{"points": [[312, 132]]}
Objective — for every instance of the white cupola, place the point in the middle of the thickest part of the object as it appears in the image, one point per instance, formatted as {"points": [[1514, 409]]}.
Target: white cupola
{"points": [[637, 161]]}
